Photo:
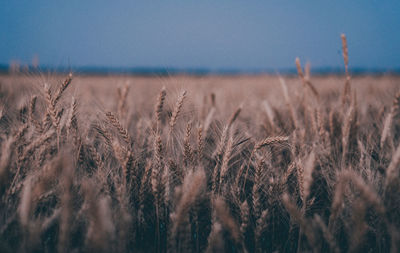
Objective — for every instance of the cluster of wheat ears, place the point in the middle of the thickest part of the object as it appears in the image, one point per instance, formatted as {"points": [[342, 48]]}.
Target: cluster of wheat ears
{"points": [[316, 176]]}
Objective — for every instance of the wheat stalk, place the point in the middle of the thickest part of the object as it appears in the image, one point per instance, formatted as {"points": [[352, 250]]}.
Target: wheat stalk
{"points": [[121, 130], [177, 110], [225, 161], [288, 103], [347, 87], [187, 149], [389, 119], [226, 219], [271, 141], [193, 186], [159, 105], [392, 169], [305, 79]]}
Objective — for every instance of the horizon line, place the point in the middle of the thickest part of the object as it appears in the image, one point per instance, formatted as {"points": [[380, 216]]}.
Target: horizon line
{"points": [[145, 70]]}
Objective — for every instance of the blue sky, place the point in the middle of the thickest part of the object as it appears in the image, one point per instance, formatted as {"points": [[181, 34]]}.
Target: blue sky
{"points": [[219, 34]]}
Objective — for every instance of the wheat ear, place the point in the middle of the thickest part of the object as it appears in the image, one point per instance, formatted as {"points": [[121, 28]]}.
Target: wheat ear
{"points": [[347, 87]]}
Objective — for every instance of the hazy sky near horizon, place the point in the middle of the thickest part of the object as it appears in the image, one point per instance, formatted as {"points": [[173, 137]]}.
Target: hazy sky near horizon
{"points": [[209, 34]]}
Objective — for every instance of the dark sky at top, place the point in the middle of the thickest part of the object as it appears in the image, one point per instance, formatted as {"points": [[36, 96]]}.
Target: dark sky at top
{"points": [[219, 34]]}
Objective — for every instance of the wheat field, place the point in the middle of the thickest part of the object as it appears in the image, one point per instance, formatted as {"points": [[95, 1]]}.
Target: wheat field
{"points": [[200, 164]]}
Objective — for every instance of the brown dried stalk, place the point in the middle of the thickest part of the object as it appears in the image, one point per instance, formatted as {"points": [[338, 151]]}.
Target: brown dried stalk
{"points": [[121, 130], [226, 219], [289, 103], [271, 141], [160, 104], [122, 95], [193, 186], [177, 110], [61, 90], [187, 149], [389, 118], [347, 87], [305, 80]]}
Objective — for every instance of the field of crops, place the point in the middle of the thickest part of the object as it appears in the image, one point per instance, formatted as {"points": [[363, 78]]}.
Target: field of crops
{"points": [[199, 164]]}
